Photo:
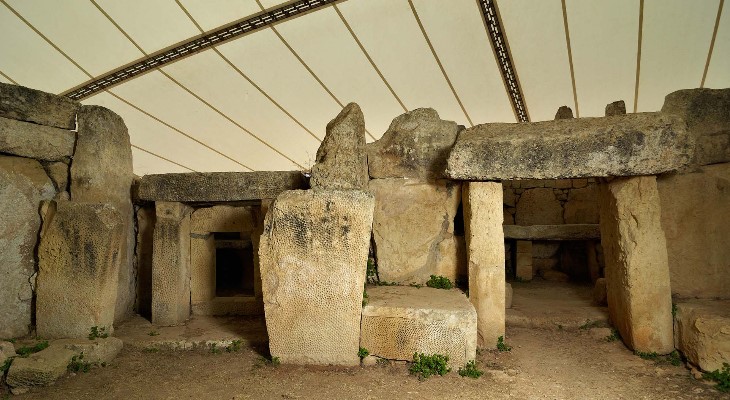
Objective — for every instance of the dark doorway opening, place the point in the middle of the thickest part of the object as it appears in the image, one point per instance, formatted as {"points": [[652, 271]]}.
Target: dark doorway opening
{"points": [[234, 266]]}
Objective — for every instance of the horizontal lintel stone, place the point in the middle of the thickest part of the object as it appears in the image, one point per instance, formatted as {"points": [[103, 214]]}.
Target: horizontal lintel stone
{"points": [[625, 145], [552, 232], [35, 141], [219, 186], [30, 105]]}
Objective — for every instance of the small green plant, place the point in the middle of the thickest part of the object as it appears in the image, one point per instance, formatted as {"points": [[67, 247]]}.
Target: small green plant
{"points": [[721, 377], [560, 327], [78, 364], [362, 353], [614, 336], [235, 346], [98, 333], [154, 333], [674, 358], [439, 282], [416, 285], [372, 271], [25, 351], [424, 366], [151, 350], [275, 361], [215, 349], [590, 324], [6, 365], [470, 370], [502, 346], [11, 340], [647, 355], [383, 362], [364, 297], [674, 310], [386, 283]]}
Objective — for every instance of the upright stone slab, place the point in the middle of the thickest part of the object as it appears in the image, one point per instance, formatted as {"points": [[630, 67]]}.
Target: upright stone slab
{"points": [[341, 159], [101, 172], [524, 260], [483, 218], [415, 145], [707, 113], [413, 228], [25, 104], [35, 141], [79, 259], [313, 256], [637, 270], [171, 264], [23, 185], [626, 145]]}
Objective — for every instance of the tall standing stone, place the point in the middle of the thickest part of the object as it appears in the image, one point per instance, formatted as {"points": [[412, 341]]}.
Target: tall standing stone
{"points": [[171, 264], [341, 158], [483, 216], [78, 262], [637, 269], [23, 185], [313, 255], [101, 172]]}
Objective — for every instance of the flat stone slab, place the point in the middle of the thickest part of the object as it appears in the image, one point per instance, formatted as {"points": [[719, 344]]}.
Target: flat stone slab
{"points": [[39, 369], [401, 320], [625, 145], [702, 332], [552, 232], [35, 141], [219, 186], [100, 350], [25, 104]]}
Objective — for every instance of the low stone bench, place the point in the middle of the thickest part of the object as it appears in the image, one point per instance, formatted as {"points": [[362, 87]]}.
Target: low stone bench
{"points": [[702, 332], [553, 232], [399, 321]]}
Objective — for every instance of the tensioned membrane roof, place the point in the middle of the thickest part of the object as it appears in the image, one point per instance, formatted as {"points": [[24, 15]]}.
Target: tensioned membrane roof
{"points": [[259, 98]]}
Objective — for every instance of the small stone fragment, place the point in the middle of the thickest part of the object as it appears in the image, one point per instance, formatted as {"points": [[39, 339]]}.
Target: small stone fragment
{"points": [[616, 108], [564, 112]]}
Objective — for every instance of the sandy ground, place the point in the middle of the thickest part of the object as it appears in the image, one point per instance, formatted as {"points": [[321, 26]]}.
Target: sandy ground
{"points": [[543, 364]]}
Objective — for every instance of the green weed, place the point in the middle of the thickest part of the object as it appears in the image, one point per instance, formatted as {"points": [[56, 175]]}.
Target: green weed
{"points": [[215, 349], [235, 346], [362, 353], [416, 285], [439, 282], [721, 377], [674, 310], [470, 370], [372, 271], [614, 336], [647, 355], [590, 324], [25, 351], [154, 333], [364, 297], [502, 346], [78, 364], [98, 333], [424, 366], [151, 350], [6, 365]]}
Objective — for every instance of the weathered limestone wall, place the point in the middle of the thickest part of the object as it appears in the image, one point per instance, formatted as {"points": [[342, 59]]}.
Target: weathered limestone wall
{"points": [[696, 220], [171, 264], [637, 269], [313, 256], [483, 218]]}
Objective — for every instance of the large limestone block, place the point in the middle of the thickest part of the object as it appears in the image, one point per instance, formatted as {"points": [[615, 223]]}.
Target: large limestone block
{"points": [[696, 221], [582, 206], [413, 227], [100, 350], [485, 258], [707, 113], [702, 332], [400, 320], [523, 263], [626, 145], [144, 251], [219, 186], [538, 206], [171, 264], [39, 369], [35, 141], [313, 256], [637, 270], [23, 185], [78, 263], [101, 172], [415, 145], [342, 163], [24, 104]]}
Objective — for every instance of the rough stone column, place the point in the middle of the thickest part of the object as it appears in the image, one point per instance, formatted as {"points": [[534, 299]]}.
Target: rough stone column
{"points": [[483, 217], [637, 270], [523, 265], [171, 264]]}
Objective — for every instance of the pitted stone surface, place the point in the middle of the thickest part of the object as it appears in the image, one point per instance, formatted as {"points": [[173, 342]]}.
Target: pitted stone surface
{"points": [[616, 108], [25, 104], [627, 145], [39, 369], [313, 256], [101, 172], [702, 332], [415, 146], [23, 185], [35, 141], [78, 262], [413, 228], [707, 113], [171, 264], [219, 186], [342, 163], [100, 350], [637, 270], [401, 320]]}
